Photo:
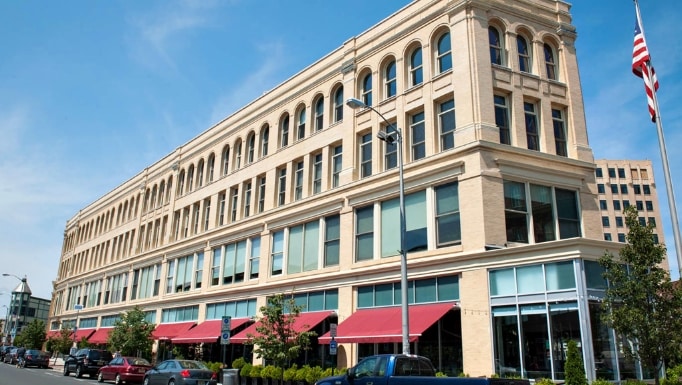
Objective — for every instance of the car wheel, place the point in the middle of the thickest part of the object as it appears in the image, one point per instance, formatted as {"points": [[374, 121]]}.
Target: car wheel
{"points": [[171, 382], [66, 370], [100, 378], [146, 381], [117, 380], [79, 371]]}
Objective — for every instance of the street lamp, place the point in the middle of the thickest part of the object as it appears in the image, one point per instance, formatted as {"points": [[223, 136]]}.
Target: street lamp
{"points": [[397, 138], [23, 291]]}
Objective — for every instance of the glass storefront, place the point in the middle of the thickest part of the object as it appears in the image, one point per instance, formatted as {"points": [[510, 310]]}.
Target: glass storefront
{"points": [[536, 312]]}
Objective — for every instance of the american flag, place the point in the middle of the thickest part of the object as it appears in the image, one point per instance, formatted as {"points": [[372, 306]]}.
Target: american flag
{"points": [[641, 65]]}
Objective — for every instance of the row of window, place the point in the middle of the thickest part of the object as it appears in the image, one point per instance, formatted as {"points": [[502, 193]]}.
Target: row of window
{"points": [[606, 222], [636, 188], [621, 237], [635, 173], [603, 205], [524, 51]]}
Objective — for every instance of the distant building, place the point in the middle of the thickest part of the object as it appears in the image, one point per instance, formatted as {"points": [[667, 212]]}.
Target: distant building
{"points": [[623, 183], [295, 193], [23, 309]]}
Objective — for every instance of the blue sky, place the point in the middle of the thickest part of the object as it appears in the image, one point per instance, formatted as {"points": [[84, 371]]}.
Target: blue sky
{"points": [[91, 92]]}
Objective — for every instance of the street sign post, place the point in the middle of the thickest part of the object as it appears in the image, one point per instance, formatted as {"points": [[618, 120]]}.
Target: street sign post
{"points": [[225, 330]]}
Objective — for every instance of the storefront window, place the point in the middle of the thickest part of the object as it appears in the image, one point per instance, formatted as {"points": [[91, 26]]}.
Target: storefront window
{"points": [[602, 343], [565, 324], [560, 276], [506, 332], [535, 341], [502, 282]]}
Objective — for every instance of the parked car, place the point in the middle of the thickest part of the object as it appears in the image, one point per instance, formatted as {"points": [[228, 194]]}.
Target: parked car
{"points": [[180, 372], [38, 358], [11, 356], [4, 350], [86, 361], [124, 369]]}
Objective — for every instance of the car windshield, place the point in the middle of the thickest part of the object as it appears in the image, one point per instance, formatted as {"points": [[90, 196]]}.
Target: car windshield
{"points": [[138, 361], [191, 365]]}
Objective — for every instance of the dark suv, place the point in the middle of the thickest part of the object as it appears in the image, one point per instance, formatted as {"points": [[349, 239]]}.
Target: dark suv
{"points": [[86, 361]]}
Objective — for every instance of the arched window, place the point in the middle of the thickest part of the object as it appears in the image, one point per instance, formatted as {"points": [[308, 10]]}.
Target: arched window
{"points": [[319, 114], [550, 63], [338, 105], [181, 182], [284, 131], [250, 148], [200, 174], [416, 71], [162, 192], [367, 89], [524, 54], [169, 188], [145, 204], [444, 58], [389, 79], [211, 168], [190, 178], [495, 46], [225, 161], [152, 201], [264, 139], [300, 127], [238, 155]]}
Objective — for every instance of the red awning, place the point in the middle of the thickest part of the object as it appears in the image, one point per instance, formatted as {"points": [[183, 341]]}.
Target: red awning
{"points": [[380, 325], [304, 322], [100, 336], [83, 333], [207, 331], [52, 333], [169, 331]]}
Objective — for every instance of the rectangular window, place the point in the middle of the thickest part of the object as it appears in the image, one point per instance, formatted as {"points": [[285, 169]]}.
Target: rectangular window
{"points": [[234, 262], [598, 172], [391, 149], [603, 205], [418, 136], [215, 266], [302, 253], [448, 226], [298, 181], [234, 198], [614, 189], [199, 270], [247, 200], [446, 121], [364, 233], [170, 284], [415, 228], [645, 174], [532, 130], [612, 172], [261, 194], [559, 132], [639, 205], [600, 188], [621, 173], [605, 221], [282, 187], [366, 155], [619, 221], [607, 237], [254, 258], [332, 239], [637, 189], [626, 203], [623, 189], [621, 237], [543, 216], [221, 208], [207, 213], [568, 213], [651, 221], [317, 173], [646, 188], [616, 205], [649, 205], [502, 118], [337, 153], [277, 254], [516, 212]]}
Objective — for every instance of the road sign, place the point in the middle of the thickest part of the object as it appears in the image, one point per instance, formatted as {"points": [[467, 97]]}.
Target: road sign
{"points": [[225, 338], [225, 330], [225, 325], [332, 347], [78, 307], [332, 330]]}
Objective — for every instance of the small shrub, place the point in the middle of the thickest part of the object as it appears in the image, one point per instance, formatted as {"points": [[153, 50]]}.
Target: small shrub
{"points": [[601, 381], [239, 363], [633, 381], [290, 373], [314, 374], [302, 373], [673, 376], [245, 371], [463, 375], [441, 374], [255, 371], [544, 381], [214, 366], [271, 371], [328, 372]]}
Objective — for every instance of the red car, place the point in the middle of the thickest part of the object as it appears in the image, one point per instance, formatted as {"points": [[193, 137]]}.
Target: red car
{"points": [[124, 369]]}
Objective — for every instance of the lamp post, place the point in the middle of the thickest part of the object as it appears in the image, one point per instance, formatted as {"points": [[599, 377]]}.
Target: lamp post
{"points": [[397, 138], [22, 290], [4, 326]]}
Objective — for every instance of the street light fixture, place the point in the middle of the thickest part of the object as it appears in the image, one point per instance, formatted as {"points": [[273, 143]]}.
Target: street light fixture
{"points": [[396, 137]]}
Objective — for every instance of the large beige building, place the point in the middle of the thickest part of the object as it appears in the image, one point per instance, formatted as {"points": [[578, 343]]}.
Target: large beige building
{"points": [[295, 193]]}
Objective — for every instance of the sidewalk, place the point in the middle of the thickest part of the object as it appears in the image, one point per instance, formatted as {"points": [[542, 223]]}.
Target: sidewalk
{"points": [[57, 365]]}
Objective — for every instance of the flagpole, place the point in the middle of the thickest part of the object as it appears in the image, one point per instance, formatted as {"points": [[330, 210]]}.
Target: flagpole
{"points": [[664, 160]]}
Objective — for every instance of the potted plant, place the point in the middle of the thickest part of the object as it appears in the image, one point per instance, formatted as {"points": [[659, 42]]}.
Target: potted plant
{"points": [[314, 374], [271, 374], [302, 375], [245, 373], [290, 374], [255, 375]]}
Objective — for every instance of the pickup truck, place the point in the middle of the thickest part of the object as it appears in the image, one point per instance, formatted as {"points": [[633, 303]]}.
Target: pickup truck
{"points": [[400, 369]]}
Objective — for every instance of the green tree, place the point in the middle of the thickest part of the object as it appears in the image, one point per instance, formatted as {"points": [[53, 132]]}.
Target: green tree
{"points": [[32, 336], [131, 334], [277, 341], [641, 304], [575, 369], [62, 342]]}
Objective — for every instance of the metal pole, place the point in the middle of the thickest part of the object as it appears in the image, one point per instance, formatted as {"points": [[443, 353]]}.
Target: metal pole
{"points": [[403, 251]]}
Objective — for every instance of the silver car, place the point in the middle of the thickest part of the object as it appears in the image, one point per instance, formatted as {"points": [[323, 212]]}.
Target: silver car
{"points": [[180, 372]]}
